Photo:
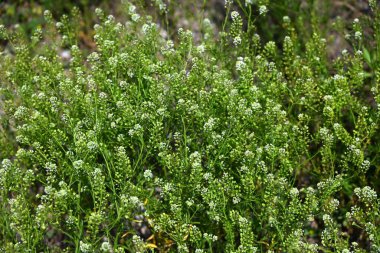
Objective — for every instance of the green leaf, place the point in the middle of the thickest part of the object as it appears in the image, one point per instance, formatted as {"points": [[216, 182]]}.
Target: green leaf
{"points": [[367, 56]]}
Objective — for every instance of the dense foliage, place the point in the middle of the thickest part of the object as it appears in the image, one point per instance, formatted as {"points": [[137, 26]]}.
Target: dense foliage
{"points": [[202, 142]]}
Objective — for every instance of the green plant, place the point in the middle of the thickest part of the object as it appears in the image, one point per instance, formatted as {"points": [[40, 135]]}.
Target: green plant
{"points": [[229, 144]]}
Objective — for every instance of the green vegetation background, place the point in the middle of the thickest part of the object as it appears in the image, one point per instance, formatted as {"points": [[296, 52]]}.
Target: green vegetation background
{"points": [[328, 19]]}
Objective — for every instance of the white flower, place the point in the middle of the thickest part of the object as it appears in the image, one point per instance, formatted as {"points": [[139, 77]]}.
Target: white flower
{"points": [[134, 200], [137, 130], [148, 174], [78, 164], [294, 192], [132, 9], [145, 29], [263, 10], [92, 57], [62, 193], [113, 62], [227, 3], [161, 6], [234, 15], [358, 35], [248, 2], [189, 202], [103, 95], [365, 165], [109, 43], [327, 97], [237, 41], [135, 17], [240, 64], [106, 247], [209, 125], [84, 247], [91, 145], [207, 176], [20, 112], [6, 164], [201, 49], [256, 106], [51, 167], [111, 18], [98, 11], [59, 25], [235, 200], [366, 194], [327, 219], [123, 84]]}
